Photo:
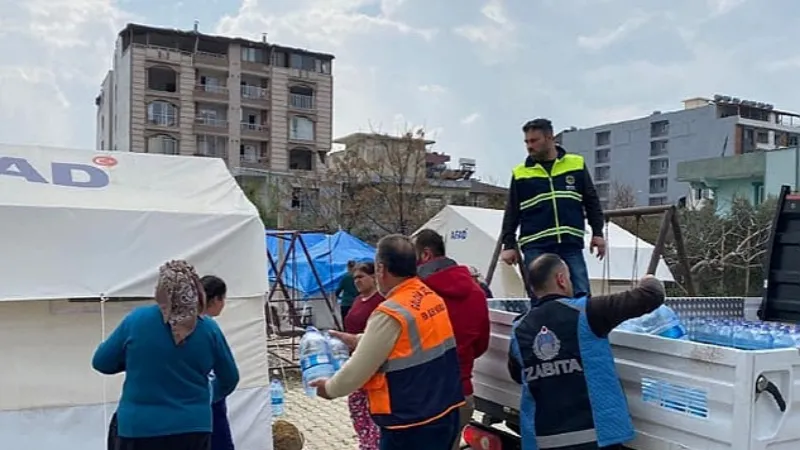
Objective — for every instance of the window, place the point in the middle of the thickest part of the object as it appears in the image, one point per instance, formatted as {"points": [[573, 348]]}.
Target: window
{"points": [[249, 54], [659, 166], [304, 62], [214, 146], [658, 201], [279, 59], [602, 190], [301, 97], [658, 186], [162, 79], [792, 140], [762, 137], [162, 143], [602, 173], [658, 148], [602, 156], [301, 159], [659, 129], [301, 128], [758, 193], [162, 113], [304, 199], [323, 66], [602, 139]]}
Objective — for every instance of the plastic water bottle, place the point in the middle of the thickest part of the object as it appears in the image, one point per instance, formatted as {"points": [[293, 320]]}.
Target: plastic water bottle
{"points": [[783, 338], [315, 359], [277, 397], [762, 338], [211, 377], [663, 322], [339, 351]]}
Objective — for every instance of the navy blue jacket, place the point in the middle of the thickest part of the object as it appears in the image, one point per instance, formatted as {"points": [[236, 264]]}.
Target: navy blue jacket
{"points": [[571, 395]]}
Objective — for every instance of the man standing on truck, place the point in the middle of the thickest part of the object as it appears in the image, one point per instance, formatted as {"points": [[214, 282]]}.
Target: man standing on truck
{"points": [[550, 196], [466, 307], [571, 395]]}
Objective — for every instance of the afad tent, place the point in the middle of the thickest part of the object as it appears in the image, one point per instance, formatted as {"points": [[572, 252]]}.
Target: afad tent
{"points": [[79, 226], [471, 235]]}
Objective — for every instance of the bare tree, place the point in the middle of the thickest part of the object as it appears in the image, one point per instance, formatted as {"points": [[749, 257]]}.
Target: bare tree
{"points": [[383, 189], [622, 196]]}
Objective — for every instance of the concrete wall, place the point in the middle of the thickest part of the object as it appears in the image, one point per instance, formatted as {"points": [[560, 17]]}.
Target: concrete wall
{"points": [[122, 99], [782, 167], [693, 134]]}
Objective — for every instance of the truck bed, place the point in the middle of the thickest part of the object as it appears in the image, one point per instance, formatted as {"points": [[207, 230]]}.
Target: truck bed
{"points": [[719, 406]]}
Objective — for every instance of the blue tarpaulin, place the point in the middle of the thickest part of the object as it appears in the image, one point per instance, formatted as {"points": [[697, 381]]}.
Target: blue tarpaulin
{"points": [[329, 254]]}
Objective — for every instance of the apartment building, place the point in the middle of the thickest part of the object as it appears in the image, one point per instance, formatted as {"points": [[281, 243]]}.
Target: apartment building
{"points": [[643, 153], [262, 108]]}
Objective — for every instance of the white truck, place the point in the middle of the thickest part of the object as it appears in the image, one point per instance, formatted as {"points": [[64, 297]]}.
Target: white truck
{"points": [[729, 399]]}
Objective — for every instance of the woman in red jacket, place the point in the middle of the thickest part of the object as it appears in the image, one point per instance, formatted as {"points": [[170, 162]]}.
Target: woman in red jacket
{"points": [[356, 321]]}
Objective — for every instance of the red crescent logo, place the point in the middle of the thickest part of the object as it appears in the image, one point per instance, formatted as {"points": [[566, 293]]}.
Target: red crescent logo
{"points": [[105, 161]]}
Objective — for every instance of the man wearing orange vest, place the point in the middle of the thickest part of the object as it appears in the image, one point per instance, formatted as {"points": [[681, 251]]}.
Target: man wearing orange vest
{"points": [[405, 359]]}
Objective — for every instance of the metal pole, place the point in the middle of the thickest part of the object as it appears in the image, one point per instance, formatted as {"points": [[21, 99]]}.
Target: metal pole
{"points": [[658, 248], [680, 249]]}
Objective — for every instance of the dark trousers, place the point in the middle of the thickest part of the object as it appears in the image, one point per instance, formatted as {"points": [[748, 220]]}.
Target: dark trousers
{"points": [[221, 438], [437, 435], [572, 256], [186, 441]]}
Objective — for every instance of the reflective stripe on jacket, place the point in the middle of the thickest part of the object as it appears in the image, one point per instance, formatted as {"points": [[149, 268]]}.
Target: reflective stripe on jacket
{"points": [[551, 204], [420, 381]]}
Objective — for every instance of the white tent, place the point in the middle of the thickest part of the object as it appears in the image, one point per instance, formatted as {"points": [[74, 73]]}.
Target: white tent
{"points": [[471, 235], [80, 225]]}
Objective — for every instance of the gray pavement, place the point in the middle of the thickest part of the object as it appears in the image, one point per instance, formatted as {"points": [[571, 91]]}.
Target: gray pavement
{"points": [[325, 423]]}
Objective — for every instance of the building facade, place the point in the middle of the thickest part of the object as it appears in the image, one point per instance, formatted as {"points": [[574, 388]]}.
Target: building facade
{"points": [[643, 154], [751, 176], [264, 109]]}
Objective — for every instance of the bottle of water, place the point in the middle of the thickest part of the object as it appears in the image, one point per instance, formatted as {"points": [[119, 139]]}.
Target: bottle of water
{"points": [[762, 338], [663, 322], [339, 351], [783, 338], [277, 397], [315, 359]]}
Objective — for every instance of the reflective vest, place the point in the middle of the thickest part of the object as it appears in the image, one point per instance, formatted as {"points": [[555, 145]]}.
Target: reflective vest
{"points": [[571, 393], [419, 382], [551, 204]]}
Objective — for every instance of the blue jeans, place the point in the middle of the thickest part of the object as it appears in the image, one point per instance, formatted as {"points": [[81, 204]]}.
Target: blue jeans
{"points": [[437, 435], [572, 256]]}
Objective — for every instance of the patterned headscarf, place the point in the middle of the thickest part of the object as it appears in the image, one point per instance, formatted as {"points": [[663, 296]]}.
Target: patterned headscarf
{"points": [[181, 298]]}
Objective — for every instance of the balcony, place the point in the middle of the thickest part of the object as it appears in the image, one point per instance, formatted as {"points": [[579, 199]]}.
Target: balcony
{"points": [[254, 95], [257, 161], [207, 124], [211, 59], [301, 102], [211, 92], [709, 171], [254, 130]]}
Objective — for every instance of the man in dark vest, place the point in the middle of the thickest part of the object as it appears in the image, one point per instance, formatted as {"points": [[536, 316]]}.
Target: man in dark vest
{"points": [[571, 395], [550, 197]]}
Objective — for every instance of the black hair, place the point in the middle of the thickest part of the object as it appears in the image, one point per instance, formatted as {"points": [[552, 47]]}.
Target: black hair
{"points": [[214, 286], [541, 270], [397, 254], [351, 264], [541, 124], [366, 267], [431, 240]]}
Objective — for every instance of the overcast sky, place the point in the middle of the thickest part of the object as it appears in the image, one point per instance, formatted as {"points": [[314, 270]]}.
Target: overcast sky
{"points": [[471, 72]]}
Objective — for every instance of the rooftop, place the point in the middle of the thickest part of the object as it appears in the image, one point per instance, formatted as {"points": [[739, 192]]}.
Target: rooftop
{"points": [[735, 167], [355, 138], [194, 39]]}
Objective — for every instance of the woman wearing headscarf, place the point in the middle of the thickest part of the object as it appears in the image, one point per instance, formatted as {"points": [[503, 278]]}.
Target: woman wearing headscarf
{"points": [[216, 290], [167, 352]]}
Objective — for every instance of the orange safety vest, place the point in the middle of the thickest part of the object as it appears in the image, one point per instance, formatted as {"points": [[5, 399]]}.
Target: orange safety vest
{"points": [[419, 382]]}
